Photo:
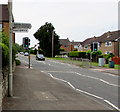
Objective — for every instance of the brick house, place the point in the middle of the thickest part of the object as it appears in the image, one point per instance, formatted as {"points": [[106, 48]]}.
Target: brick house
{"points": [[86, 44], [66, 45], [76, 45], [4, 20], [107, 43]]}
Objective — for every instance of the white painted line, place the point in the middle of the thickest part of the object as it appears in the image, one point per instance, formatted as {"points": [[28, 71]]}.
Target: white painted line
{"points": [[111, 74], [112, 105], [89, 94], [87, 77], [98, 79], [59, 71], [108, 102]]}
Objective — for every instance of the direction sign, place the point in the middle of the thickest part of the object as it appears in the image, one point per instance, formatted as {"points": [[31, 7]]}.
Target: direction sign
{"points": [[22, 25], [20, 30]]}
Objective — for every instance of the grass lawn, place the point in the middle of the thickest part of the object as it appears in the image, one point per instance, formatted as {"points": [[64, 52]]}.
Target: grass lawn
{"points": [[75, 61]]}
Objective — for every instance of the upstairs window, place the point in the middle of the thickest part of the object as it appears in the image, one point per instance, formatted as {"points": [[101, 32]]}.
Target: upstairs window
{"points": [[86, 47], [108, 43], [108, 36]]}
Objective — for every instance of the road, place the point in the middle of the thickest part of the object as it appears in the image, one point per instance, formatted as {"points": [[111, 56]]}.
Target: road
{"points": [[103, 87]]}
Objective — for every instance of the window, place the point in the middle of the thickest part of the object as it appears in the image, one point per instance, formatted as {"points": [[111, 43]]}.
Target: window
{"points": [[108, 52], [0, 27], [108, 36], [108, 43], [76, 46], [86, 47]]}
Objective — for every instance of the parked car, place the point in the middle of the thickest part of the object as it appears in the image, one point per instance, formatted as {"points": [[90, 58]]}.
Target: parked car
{"points": [[22, 53], [40, 57], [26, 54]]}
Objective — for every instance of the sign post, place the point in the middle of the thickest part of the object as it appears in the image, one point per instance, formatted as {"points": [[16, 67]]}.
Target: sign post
{"points": [[13, 27], [10, 77]]}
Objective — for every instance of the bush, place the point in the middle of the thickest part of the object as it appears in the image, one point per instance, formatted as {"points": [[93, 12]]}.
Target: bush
{"points": [[5, 54], [17, 62], [5, 49], [108, 56], [77, 54]]}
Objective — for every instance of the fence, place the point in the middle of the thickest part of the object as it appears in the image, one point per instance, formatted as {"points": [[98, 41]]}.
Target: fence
{"points": [[83, 62]]}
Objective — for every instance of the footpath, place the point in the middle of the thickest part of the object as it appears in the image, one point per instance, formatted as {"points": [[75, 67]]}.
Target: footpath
{"points": [[34, 90], [97, 68]]}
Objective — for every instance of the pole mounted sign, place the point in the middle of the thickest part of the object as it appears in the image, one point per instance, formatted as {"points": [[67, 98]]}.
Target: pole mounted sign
{"points": [[21, 27]]}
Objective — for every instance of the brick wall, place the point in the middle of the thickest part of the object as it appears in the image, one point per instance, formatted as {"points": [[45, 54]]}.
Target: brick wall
{"points": [[6, 30], [68, 48], [104, 48]]}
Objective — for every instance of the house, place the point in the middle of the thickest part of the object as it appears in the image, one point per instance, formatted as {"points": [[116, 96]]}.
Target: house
{"points": [[66, 45], [76, 45], [4, 20], [107, 43], [86, 44]]}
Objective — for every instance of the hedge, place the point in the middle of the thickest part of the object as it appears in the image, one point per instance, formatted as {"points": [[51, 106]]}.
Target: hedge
{"points": [[4, 39], [5, 54], [77, 54]]}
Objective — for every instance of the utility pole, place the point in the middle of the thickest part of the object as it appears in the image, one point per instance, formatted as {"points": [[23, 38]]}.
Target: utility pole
{"points": [[52, 44], [10, 77]]}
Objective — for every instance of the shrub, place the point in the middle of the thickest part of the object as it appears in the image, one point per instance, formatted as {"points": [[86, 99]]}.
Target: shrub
{"points": [[5, 54], [17, 62], [78, 54], [5, 49]]}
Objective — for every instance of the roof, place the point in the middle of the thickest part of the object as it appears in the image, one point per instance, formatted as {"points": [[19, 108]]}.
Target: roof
{"points": [[65, 42], [4, 13], [89, 41], [76, 43], [108, 36]]}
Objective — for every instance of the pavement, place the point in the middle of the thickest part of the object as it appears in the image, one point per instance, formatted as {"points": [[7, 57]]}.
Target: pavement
{"points": [[34, 90], [106, 70], [97, 68]]}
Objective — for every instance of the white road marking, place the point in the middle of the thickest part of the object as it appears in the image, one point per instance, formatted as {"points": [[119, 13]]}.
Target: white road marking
{"points": [[111, 74], [64, 64], [98, 79], [108, 102], [87, 77]]}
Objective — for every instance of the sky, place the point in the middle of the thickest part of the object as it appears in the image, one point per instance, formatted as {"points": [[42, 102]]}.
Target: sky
{"points": [[73, 19]]}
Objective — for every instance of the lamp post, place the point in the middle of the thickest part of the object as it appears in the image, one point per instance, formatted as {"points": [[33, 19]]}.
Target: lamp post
{"points": [[10, 77], [52, 43]]}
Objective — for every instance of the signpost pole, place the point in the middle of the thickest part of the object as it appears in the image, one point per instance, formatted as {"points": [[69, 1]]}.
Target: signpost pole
{"points": [[29, 58], [10, 77]]}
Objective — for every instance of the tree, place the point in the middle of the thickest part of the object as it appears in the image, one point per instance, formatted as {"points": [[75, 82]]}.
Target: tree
{"points": [[44, 36]]}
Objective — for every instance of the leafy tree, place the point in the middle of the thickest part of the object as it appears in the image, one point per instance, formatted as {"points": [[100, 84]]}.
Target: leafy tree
{"points": [[44, 36]]}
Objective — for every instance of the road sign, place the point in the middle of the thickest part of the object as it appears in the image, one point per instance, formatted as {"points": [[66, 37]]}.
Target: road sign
{"points": [[22, 25], [20, 30]]}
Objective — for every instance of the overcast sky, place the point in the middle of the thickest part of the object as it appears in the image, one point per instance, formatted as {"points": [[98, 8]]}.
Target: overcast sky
{"points": [[73, 19]]}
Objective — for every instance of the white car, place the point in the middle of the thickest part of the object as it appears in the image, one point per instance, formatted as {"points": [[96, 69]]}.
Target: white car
{"points": [[40, 57], [22, 53], [26, 54]]}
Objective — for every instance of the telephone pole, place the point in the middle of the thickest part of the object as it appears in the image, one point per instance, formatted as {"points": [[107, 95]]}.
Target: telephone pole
{"points": [[10, 77], [52, 44]]}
